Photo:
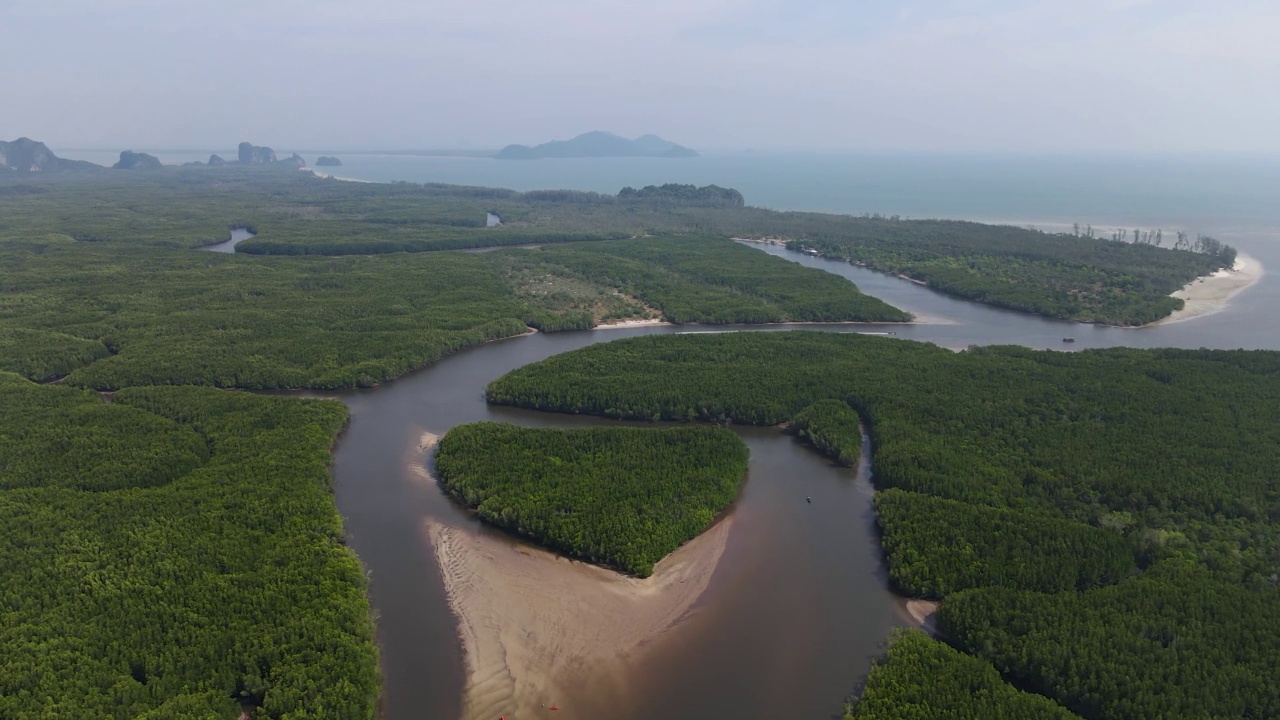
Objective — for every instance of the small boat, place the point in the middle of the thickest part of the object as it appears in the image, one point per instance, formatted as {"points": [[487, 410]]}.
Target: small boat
{"points": [[808, 499], [1068, 339]]}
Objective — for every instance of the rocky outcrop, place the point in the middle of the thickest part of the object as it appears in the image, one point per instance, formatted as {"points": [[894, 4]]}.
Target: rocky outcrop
{"points": [[255, 155], [295, 160], [130, 160], [216, 160], [25, 155], [327, 161]]}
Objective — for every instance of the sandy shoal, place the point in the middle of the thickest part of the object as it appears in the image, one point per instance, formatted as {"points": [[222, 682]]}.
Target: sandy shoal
{"points": [[624, 324], [923, 614], [1213, 293], [539, 630]]}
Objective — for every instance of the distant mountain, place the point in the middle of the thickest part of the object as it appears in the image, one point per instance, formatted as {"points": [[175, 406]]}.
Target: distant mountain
{"points": [[251, 154], [598, 144], [25, 155], [130, 160]]}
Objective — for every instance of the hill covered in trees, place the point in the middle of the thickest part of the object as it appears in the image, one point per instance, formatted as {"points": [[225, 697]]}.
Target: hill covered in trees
{"points": [[1049, 498], [598, 144], [175, 553], [623, 497]]}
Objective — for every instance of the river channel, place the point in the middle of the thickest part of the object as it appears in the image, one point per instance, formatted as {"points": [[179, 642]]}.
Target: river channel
{"points": [[798, 606]]}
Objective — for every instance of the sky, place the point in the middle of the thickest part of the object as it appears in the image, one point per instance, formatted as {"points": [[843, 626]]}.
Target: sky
{"points": [[933, 76]]}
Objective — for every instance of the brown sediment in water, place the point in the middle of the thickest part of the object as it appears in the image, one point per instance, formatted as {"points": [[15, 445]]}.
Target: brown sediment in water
{"points": [[534, 625]]}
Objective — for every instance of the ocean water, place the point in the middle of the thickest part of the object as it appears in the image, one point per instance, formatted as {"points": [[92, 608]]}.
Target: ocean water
{"points": [[1216, 196]]}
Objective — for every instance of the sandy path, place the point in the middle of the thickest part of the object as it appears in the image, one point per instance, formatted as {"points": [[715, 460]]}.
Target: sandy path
{"points": [[539, 630], [1213, 293]]}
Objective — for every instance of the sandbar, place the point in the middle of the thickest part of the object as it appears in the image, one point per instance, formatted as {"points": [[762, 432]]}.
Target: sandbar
{"points": [[624, 324], [923, 614], [539, 630], [1212, 293]]}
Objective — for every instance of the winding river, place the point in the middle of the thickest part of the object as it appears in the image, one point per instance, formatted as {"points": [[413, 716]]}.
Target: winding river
{"points": [[797, 606]]}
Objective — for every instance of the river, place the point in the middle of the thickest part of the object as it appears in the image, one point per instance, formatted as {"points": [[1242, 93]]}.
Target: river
{"points": [[238, 235], [798, 606]]}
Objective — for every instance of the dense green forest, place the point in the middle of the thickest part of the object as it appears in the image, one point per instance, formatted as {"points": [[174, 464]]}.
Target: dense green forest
{"points": [[1012, 471], [1066, 276], [832, 427], [1175, 642], [714, 281], [111, 315], [1060, 275], [937, 546], [175, 553], [924, 679], [623, 497]]}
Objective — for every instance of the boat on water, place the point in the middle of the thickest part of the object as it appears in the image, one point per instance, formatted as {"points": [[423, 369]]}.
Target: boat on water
{"points": [[1068, 339]]}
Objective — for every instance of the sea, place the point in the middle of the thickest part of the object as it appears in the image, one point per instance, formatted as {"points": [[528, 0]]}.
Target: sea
{"points": [[1212, 195]]}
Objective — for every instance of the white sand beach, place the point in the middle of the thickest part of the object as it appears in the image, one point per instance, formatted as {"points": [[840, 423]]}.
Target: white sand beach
{"points": [[1212, 293]]}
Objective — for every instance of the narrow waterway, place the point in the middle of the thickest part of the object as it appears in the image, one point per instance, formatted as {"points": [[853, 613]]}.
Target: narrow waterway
{"points": [[238, 235], [797, 607]]}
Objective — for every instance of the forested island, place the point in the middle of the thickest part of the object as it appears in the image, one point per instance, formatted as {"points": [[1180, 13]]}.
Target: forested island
{"points": [[598, 144], [622, 497], [1112, 505]]}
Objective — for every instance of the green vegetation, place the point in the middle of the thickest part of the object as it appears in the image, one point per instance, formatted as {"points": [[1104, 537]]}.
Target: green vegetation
{"points": [[1013, 471], [175, 553], [181, 317], [293, 213], [716, 281], [832, 427], [624, 497], [1083, 278], [936, 547], [112, 315], [923, 679], [1175, 642]]}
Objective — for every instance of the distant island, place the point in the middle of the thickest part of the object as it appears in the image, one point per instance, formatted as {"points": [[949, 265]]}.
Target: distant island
{"points": [[130, 160], [25, 155], [327, 161], [598, 144]]}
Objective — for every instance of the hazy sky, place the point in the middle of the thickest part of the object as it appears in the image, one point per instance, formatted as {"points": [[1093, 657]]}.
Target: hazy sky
{"points": [[933, 75]]}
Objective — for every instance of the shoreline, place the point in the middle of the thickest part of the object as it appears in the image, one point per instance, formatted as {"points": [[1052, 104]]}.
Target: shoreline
{"points": [[658, 322], [533, 623], [1212, 294]]}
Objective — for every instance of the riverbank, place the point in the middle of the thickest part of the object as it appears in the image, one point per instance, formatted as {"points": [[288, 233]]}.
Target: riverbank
{"points": [[533, 623], [626, 324], [1213, 293]]}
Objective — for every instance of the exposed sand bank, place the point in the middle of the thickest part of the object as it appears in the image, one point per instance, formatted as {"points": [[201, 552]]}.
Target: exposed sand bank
{"points": [[923, 614], [1213, 293], [624, 324], [534, 624]]}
